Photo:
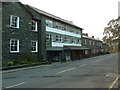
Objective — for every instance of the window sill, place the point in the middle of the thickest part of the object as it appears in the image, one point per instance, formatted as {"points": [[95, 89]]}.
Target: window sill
{"points": [[34, 51], [34, 31], [14, 27], [14, 51]]}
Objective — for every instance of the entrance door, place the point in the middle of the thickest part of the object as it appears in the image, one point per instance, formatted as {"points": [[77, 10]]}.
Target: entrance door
{"points": [[68, 56]]}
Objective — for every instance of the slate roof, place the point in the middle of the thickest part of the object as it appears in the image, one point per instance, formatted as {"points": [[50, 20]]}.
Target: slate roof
{"points": [[52, 16], [91, 38]]}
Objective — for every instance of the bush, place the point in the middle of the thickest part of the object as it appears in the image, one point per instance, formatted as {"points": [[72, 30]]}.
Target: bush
{"points": [[10, 63], [43, 60], [26, 58]]}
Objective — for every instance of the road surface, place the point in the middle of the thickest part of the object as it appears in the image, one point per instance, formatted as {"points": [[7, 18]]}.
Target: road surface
{"points": [[95, 72]]}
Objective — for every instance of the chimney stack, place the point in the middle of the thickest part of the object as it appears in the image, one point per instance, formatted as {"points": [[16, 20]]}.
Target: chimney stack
{"points": [[86, 34]]}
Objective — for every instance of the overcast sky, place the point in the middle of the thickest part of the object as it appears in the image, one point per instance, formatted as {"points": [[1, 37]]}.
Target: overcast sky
{"points": [[91, 15]]}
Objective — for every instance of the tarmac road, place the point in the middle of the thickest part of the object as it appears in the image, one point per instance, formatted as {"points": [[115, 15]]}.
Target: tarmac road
{"points": [[95, 72]]}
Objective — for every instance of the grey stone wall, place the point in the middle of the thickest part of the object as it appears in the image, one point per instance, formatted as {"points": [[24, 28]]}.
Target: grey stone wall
{"points": [[0, 34], [1, 42], [91, 47], [23, 34], [41, 33]]}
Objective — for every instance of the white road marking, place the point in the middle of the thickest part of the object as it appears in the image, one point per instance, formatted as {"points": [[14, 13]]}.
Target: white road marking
{"points": [[66, 70], [15, 85], [34, 67], [99, 60], [83, 65]]}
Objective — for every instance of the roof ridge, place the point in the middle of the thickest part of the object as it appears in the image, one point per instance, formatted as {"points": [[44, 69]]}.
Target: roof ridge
{"points": [[52, 16]]}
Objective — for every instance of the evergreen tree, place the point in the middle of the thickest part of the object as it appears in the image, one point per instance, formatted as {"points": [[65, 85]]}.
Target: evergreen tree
{"points": [[112, 34]]}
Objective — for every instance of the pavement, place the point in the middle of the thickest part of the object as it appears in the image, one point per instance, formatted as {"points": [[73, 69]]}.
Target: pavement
{"points": [[23, 66], [95, 72]]}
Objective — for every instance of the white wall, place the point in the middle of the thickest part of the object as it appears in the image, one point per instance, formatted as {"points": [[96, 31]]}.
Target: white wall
{"points": [[56, 44], [58, 31]]}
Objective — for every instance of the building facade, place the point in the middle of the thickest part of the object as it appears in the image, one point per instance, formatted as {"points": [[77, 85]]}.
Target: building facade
{"points": [[63, 38], [96, 47], [21, 34], [105, 49], [28, 33], [62, 35]]}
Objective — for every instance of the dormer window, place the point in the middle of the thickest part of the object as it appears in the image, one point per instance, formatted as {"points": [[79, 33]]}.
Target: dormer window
{"points": [[14, 21], [34, 26]]}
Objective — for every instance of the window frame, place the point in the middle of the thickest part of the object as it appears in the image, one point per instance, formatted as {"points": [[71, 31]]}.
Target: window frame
{"points": [[90, 42], [36, 45], [12, 23], [67, 39], [49, 23], [79, 41], [86, 52], [48, 37], [85, 41], [14, 45], [35, 25], [74, 40], [93, 42], [58, 38]]}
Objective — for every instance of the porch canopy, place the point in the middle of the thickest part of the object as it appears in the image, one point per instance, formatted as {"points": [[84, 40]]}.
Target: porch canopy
{"points": [[75, 48]]}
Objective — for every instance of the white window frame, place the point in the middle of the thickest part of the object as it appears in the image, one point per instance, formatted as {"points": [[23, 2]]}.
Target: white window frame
{"points": [[75, 40], [93, 42], [67, 39], [90, 42], [59, 25], [14, 45], [72, 40], [58, 38], [34, 46], [79, 41], [100, 44], [49, 23], [34, 25], [12, 21], [48, 37], [86, 52], [85, 41]]}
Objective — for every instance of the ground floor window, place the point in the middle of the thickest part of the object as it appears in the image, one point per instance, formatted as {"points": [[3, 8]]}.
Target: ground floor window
{"points": [[86, 52], [14, 45], [34, 45]]}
